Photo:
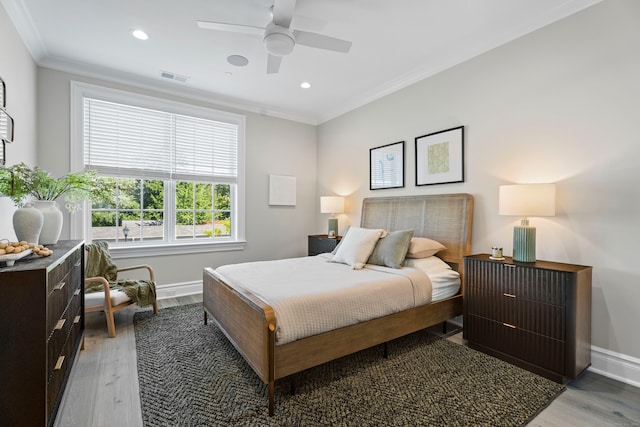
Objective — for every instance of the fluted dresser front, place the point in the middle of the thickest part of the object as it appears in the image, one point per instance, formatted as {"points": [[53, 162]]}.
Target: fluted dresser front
{"points": [[535, 315], [41, 330]]}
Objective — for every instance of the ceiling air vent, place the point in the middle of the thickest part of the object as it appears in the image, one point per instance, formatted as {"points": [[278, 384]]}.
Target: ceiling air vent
{"points": [[174, 76]]}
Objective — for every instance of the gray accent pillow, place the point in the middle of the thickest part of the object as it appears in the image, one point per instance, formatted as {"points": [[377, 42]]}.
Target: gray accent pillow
{"points": [[391, 250]]}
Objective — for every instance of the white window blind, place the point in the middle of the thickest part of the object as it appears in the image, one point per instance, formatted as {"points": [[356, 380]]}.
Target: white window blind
{"points": [[124, 140], [205, 148]]}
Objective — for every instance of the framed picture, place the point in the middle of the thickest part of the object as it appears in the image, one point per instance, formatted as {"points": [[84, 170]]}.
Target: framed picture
{"points": [[282, 190], [386, 166], [6, 126], [3, 94], [440, 157]]}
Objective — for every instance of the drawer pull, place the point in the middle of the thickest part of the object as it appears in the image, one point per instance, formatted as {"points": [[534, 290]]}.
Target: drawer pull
{"points": [[59, 363], [509, 295], [60, 324], [508, 325], [59, 286], [76, 319], [509, 265]]}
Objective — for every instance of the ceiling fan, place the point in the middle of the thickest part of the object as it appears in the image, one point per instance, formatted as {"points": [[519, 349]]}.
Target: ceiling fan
{"points": [[278, 38]]}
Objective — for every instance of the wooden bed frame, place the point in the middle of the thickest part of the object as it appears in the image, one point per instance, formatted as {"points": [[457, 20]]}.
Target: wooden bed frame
{"points": [[249, 323]]}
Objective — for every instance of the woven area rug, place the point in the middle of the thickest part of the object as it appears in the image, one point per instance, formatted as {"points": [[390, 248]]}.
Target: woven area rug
{"points": [[191, 376]]}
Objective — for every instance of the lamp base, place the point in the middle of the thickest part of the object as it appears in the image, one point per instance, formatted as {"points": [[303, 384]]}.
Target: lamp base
{"points": [[524, 244], [333, 227]]}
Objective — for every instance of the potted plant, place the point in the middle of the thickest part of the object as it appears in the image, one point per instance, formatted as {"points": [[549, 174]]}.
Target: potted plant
{"points": [[20, 181]]}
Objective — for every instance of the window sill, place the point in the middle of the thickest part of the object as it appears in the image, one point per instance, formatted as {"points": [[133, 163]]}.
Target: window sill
{"points": [[137, 250]]}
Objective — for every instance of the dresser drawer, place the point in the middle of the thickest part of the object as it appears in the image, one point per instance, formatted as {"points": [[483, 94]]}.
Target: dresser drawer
{"points": [[547, 286], [62, 330], [541, 351], [62, 269], [62, 363], [533, 316], [65, 288]]}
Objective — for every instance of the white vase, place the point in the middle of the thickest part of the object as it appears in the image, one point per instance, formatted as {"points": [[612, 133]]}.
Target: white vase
{"points": [[52, 225], [27, 223]]}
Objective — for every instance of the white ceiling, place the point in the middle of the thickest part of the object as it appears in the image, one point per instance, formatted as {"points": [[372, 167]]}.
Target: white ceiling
{"points": [[395, 43]]}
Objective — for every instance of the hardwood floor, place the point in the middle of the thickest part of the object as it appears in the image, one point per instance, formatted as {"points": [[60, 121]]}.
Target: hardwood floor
{"points": [[103, 387]]}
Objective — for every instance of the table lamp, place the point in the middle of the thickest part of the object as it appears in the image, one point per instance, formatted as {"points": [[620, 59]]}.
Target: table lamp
{"points": [[526, 200], [333, 205]]}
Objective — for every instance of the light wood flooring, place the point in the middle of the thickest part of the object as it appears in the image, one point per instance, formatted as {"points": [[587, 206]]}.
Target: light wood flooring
{"points": [[103, 386]]}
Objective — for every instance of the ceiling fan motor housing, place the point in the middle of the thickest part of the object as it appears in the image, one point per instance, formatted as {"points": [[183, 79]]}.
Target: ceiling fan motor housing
{"points": [[278, 40]]}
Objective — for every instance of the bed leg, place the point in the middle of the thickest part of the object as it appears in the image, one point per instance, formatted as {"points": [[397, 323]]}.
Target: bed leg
{"points": [[206, 319], [386, 350], [292, 387], [272, 403], [444, 327]]}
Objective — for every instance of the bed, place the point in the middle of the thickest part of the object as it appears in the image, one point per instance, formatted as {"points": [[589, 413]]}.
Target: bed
{"points": [[250, 323]]}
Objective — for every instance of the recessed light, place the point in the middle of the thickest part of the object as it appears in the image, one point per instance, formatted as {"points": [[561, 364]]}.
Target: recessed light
{"points": [[237, 60], [139, 34], [305, 85]]}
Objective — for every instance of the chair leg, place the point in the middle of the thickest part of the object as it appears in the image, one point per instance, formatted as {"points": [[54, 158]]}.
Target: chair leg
{"points": [[111, 324], [155, 307]]}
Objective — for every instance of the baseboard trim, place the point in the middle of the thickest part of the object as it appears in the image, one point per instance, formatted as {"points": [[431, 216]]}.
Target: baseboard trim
{"points": [[174, 290], [614, 365]]}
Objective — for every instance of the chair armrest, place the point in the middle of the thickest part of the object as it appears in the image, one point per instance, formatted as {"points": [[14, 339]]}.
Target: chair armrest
{"points": [[139, 267], [105, 286]]}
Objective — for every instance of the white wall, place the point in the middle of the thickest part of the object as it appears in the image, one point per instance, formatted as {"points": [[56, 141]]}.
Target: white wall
{"points": [[273, 146], [18, 71], [559, 105]]}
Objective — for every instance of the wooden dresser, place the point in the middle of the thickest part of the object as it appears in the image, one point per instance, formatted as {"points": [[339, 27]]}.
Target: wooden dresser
{"points": [[41, 329], [535, 315]]}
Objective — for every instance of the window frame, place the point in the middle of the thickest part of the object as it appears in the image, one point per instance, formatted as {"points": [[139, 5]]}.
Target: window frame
{"points": [[81, 220]]}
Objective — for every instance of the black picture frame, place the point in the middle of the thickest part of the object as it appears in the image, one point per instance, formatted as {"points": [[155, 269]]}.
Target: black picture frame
{"points": [[6, 126], [439, 157], [386, 166], [3, 94]]}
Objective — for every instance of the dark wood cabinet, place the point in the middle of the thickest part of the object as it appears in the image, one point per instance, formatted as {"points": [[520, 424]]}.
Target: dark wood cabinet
{"points": [[535, 315], [321, 243], [41, 329]]}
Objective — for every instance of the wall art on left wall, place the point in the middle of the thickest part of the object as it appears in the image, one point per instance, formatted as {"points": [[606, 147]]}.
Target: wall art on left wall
{"points": [[6, 123]]}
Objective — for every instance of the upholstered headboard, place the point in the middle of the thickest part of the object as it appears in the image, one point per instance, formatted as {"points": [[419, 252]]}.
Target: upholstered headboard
{"points": [[446, 218]]}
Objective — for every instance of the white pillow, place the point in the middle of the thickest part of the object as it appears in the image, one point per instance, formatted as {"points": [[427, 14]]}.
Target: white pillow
{"points": [[421, 247], [356, 246], [430, 264]]}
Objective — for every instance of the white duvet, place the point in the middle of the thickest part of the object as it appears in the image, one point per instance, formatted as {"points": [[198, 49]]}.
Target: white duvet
{"points": [[310, 295]]}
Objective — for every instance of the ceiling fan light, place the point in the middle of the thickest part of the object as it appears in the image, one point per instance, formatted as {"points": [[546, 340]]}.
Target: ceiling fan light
{"points": [[279, 44]]}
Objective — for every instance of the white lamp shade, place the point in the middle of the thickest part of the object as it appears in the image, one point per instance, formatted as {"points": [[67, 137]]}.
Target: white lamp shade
{"points": [[331, 204], [528, 200]]}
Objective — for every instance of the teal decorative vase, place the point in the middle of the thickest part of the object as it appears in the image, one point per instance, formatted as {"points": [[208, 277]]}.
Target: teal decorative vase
{"points": [[524, 243]]}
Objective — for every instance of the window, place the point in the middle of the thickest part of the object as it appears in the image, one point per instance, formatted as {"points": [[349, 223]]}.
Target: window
{"points": [[177, 171]]}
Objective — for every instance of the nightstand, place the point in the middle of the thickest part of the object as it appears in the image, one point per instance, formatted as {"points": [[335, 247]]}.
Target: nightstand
{"points": [[534, 315], [320, 243]]}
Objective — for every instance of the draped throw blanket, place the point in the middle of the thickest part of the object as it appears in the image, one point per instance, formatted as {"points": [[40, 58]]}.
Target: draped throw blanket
{"points": [[141, 292]]}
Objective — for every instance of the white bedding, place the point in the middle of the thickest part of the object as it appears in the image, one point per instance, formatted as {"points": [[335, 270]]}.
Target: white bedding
{"points": [[316, 296]]}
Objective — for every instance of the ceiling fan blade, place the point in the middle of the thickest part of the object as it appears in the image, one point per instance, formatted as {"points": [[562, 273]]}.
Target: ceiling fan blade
{"points": [[309, 23], [283, 12], [320, 41], [232, 28], [273, 64]]}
